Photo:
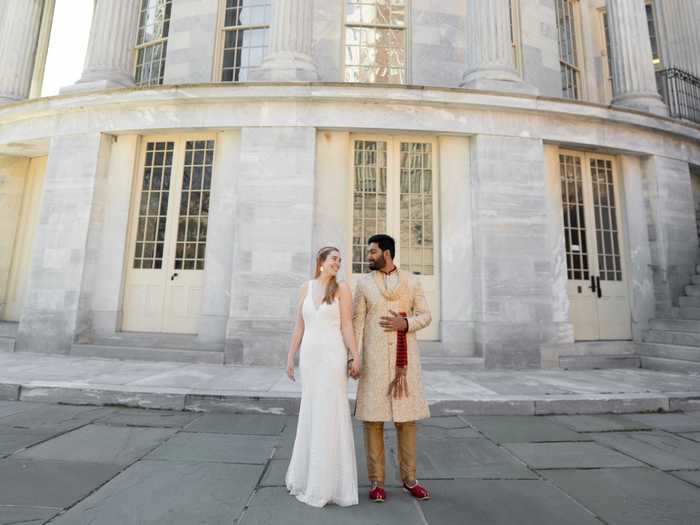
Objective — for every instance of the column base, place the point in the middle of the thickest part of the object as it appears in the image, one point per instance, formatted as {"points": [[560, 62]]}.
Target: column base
{"points": [[9, 100], [97, 85], [285, 67], [498, 80], [648, 103]]}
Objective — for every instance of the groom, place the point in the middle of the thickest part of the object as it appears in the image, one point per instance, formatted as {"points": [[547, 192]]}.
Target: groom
{"points": [[389, 308]]}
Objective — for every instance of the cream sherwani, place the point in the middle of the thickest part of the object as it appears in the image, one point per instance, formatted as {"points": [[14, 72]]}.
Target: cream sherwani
{"points": [[374, 297]]}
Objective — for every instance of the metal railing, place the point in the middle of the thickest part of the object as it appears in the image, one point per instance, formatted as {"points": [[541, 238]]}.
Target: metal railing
{"points": [[681, 92]]}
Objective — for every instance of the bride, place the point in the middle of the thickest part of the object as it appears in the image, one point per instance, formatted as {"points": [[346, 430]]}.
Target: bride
{"points": [[323, 467]]}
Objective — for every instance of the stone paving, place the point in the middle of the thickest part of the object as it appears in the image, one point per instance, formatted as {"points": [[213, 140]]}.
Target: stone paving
{"points": [[69, 465], [450, 391]]}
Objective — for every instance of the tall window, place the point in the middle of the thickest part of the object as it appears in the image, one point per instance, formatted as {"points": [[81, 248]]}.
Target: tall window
{"points": [[375, 41], [515, 35], [246, 26], [568, 53], [655, 57], [152, 41]]}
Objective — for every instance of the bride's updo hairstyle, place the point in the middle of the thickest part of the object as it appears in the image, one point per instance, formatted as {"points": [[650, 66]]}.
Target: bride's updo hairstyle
{"points": [[332, 287]]}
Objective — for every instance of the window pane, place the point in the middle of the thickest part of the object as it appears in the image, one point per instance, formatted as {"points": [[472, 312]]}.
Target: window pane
{"points": [[153, 207], [194, 205], [375, 41]]}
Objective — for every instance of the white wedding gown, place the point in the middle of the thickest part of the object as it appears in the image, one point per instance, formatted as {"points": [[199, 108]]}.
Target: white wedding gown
{"points": [[323, 468]]}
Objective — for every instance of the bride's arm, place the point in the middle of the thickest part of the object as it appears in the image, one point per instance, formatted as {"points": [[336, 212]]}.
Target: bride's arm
{"points": [[298, 333], [346, 327]]}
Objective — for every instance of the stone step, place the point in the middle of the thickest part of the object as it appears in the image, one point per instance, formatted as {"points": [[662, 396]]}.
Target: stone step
{"points": [[697, 268], [7, 344], [676, 325], [690, 301], [679, 352], [689, 312], [154, 340], [692, 290], [447, 362], [673, 337], [8, 329], [695, 279], [670, 365], [598, 362], [148, 353]]}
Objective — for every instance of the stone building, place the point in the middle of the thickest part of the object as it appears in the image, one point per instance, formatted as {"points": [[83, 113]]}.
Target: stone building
{"points": [[538, 162]]}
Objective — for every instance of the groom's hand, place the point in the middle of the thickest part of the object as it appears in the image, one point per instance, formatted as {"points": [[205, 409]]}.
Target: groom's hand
{"points": [[394, 323]]}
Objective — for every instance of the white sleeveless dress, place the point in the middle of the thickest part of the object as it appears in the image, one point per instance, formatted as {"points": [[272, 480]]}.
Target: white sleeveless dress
{"points": [[323, 468]]}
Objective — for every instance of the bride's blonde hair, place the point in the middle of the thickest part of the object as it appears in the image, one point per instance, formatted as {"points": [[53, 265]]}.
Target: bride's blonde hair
{"points": [[332, 287]]}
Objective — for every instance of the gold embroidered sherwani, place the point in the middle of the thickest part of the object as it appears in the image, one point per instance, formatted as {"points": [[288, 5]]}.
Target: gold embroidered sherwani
{"points": [[372, 301]]}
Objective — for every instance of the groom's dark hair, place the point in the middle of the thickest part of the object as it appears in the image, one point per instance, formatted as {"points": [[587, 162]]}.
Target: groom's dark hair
{"points": [[385, 242]]}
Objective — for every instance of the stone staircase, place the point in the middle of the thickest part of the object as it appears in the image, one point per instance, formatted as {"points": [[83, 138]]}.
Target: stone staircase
{"points": [[673, 343]]}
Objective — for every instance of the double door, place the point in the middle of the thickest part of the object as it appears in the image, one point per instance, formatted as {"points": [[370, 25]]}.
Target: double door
{"points": [[593, 235], [168, 235], [395, 191]]}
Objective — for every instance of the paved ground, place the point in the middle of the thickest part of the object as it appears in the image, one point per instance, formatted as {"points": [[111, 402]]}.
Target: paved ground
{"points": [[68, 465], [180, 386]]}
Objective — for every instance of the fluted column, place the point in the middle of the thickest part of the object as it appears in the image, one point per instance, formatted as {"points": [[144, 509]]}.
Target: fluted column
{"points": [[109, 58], [634, 79], [19, 33], [289, 55], [489, 60], [678, 29]]}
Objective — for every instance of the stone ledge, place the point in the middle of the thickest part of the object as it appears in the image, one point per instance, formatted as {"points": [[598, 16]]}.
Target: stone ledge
{"points": [[281, 404], [9, 392], [102, 397]]}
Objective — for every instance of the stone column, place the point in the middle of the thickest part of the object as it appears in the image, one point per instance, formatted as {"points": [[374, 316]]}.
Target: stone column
{"points": [[289, 55], [512, 274], [19, 33], [677, 23], [60, 249], [109, 58], [489, 52], [634, 80], [273, 251]]}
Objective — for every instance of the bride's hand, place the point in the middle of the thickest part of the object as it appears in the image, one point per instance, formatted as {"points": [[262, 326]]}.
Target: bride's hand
{"points": [[290, 369]]}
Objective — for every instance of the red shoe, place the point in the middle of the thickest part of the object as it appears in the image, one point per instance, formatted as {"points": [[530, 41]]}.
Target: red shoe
{"points": [[377, 494], [417, 491]]}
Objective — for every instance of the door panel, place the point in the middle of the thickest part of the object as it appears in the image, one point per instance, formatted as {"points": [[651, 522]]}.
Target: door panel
{"points": [[597, 287], [168, 236], [394, 192]]}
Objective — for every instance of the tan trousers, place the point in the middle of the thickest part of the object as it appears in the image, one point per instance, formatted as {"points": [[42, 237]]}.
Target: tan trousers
{"points": [[374, 444]]}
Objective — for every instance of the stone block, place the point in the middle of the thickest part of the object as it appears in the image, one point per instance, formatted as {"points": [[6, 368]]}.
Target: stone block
{"points": [[662, 450], [103, 397], [241, 404], [50, 483], [100, 444], [9, 392], [493, 502], [173, 492], [650, 497], [601, 404], [523, 429], [223, 448], [569, 455], [247, 424]]}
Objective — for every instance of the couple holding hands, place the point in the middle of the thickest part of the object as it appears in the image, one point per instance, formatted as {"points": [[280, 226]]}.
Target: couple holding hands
{"points": [[372, 338]]}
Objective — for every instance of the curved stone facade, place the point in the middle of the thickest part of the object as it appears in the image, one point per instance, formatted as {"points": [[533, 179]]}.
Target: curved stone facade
{"points": [[283, 174]]}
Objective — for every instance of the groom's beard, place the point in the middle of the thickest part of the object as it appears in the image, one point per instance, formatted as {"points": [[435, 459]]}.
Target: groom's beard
{"points": [[378, 264]]}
